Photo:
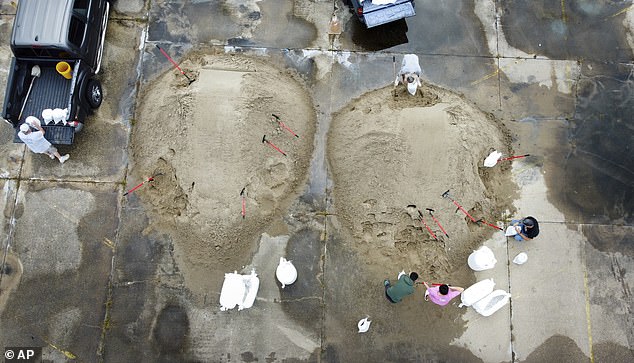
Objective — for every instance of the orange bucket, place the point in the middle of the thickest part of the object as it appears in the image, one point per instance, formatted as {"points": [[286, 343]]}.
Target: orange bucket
{"points": [[64, 69]]}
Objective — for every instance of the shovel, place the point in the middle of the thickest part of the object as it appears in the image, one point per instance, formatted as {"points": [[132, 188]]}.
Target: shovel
{"points": [[422, 219], [495, 157], [35, 73], [174, 63], [149, 180]]}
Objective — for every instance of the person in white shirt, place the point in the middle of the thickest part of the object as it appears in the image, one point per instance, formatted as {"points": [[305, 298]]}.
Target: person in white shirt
{"points": [[36, 142], [410, 73]]}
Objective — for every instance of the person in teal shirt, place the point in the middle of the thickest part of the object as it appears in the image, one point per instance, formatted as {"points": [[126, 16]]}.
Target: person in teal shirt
{"points": [[404, 287]]}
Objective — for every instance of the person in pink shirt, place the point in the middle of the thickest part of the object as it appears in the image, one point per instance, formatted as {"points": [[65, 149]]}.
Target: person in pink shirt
{"points": [[441, 294]]}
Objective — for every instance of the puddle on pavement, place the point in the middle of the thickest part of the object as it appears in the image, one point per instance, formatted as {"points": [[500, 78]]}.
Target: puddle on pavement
{"points": [[304, 250], [284, 31], [613, 238], [559, 348], [588, 161], [171, 329], [212, 21], [611, 352], [10, 273], [581, 29]]}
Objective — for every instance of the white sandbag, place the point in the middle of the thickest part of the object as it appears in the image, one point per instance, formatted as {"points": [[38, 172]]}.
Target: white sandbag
{"points": [[482, 259], [476, 292], [520, 259], [47, 116], [510, 231], [239, 290], [33, 121], [252, 283], [492, 159], [364, 324], [59, 115], [492, 302], [233, 291], [286, 273]]}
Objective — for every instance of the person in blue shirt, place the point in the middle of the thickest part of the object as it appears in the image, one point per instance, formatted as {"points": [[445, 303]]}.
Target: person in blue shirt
{"points": [[527, 228]]}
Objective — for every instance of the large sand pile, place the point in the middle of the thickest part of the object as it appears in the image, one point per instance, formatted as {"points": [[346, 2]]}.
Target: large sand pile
{"points": [[388, 150], [206, 139]]}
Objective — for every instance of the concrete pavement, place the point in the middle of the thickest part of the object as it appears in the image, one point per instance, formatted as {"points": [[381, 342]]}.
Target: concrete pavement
{"points": [[86, 278]]}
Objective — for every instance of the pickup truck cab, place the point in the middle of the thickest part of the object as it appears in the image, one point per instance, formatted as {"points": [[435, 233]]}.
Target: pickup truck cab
{"points": [[44, 34], [377, 12]]}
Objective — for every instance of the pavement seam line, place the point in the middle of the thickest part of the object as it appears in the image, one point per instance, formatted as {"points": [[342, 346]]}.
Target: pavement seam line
{"points": [[105, 325], [5, 249], [325, 226], [497, 55], [508, 271], [586, 292]]}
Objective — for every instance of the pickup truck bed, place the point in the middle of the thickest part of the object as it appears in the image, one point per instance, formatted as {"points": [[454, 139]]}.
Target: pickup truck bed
{"points": [[50, 90], [376, 15], [44, 33]]}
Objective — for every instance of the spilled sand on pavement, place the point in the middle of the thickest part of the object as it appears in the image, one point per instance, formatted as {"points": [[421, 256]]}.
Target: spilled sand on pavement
{"points": [[388, 150], [206, 140]]}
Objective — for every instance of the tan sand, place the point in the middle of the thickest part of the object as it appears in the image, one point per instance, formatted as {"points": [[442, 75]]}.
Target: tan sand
{"points": [[206, 139], [388, 150]]}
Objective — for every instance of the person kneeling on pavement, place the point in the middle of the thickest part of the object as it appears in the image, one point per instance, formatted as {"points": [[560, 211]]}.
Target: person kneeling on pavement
{"points": [[441, 294], [404, 287], [527, 229], [410, 73]]}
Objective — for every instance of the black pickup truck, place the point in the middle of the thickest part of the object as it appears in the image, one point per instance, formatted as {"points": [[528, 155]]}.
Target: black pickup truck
{"points": [[45, 33], [378, 12]]}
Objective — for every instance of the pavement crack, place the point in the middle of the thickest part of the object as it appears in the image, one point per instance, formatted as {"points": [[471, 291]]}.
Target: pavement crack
{"points": [[508, 271], [106, 324], [305, 298]]}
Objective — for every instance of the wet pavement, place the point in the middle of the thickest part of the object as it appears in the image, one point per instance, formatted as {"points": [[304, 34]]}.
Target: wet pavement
{"points": [[82, 275], [598, 146]]}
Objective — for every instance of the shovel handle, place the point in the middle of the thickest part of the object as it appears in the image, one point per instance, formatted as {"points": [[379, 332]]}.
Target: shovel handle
{"points": [[277, 118], [438, 223], [275, 147], [431, 283], [171, 60], [490, 225], [137, 187], [514, 157], [426, 226], [463, 211]]}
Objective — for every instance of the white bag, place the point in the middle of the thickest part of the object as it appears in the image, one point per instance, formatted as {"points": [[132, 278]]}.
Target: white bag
{"points": [[510, 231], [520, 259], [476, 292], [47, 116], [492, 302], [482, 259], [492, 159], [239, 290], [364, 324], [286, 273], [33, 122]]}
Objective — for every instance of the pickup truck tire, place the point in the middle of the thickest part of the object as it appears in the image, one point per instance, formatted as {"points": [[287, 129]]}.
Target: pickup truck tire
{"points": [[94, 93]]}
